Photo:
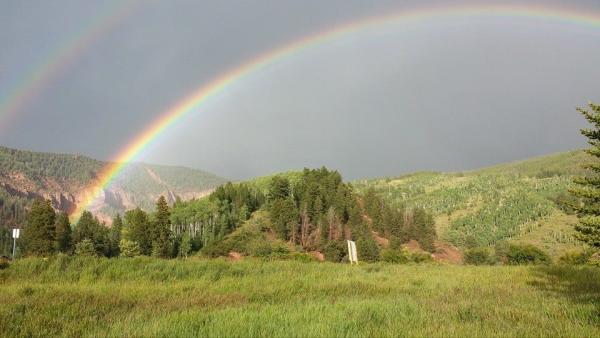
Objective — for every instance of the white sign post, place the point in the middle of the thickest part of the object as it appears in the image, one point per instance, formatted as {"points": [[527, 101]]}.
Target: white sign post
{"points": [[15, 235], [352, 256]]}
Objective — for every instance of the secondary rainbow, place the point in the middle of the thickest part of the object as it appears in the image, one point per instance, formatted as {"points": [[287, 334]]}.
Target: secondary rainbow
{"points": [[41, 75], [194, 101]]}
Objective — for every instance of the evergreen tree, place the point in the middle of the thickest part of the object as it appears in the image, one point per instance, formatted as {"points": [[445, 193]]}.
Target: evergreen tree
{"points": [[284, 216], [114, 236], [279, 188], [424, 229], [129, 248], [85, 248], [161, 243], [39, 234], [139, 230], [588, 189], [89, 228], [64, 241]]}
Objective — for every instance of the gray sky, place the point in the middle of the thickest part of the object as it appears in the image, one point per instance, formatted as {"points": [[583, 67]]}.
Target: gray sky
{"points": [[439, 94]]}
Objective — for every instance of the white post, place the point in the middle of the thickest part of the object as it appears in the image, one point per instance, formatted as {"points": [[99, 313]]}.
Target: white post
{"points": [[15, 235], [352, 256]]}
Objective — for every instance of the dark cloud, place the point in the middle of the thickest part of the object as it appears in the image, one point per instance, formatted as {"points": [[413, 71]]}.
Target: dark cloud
{"points": [[440, 94]]}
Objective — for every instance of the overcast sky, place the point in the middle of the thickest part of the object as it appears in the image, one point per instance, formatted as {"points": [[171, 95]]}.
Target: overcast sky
{"points": [[439, 94]]}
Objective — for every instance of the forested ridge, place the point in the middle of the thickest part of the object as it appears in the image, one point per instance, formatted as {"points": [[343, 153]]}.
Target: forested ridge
{"points": [[314, 213]]}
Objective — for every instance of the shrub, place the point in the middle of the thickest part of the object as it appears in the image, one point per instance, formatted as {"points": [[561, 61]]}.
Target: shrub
{"points": [[302, 257], [85, 248], [576, 257], [215, 249], [129, 248], [368, 251], [335, 251], [269, 250], [526, 254], [4, 262], [594, 260], [421, 257], [501, 251], [394, 256], [479, 256]]}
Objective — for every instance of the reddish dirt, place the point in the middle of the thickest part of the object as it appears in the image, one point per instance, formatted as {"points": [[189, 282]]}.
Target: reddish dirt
{"points": [[447, 253], [384, 242], [317, 255], [235, 256]]}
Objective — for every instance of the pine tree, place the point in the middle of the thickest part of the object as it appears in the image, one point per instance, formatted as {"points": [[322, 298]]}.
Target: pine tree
{"points": [[89, 228], [114, 236], [161, 244], [588, 189], [39, 234], [85, 248], [139, 230], [129, 248], [64, 242]]}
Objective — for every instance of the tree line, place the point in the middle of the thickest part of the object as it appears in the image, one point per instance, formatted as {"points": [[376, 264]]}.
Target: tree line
{"points": [[318, 212]]}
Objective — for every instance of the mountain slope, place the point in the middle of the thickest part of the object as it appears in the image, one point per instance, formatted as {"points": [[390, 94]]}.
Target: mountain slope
{"points": [[519, 201], [64, 179]]}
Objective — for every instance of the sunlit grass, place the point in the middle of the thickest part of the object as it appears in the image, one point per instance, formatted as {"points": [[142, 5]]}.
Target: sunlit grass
{"points": [[149, 297]]}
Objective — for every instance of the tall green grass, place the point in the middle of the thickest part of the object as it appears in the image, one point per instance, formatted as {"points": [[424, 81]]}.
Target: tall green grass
{"points": [[72, 296]]}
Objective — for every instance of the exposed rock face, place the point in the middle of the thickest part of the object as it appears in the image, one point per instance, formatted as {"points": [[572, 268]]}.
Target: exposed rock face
{"points": [[67, 181], [66, 195]]}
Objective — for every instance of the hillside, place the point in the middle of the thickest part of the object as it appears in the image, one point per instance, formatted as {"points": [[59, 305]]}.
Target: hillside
{"points": [[63, 179], [519, 201]]}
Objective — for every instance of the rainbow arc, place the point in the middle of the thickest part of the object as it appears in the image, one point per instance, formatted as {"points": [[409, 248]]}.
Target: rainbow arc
{"points": [[195, 101]]}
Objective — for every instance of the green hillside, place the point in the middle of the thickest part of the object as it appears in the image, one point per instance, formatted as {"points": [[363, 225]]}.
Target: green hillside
{"points": [[519, 201]]}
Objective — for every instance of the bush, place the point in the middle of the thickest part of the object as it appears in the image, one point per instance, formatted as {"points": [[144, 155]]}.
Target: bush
{"points": [[216, 248], [336, 251], [501, 251], [576, 257], [394, 256], [421, 257], [526, 254], [368, 251], [4, 262], [302, 257], [269, 250], [594, 260], [129, 248], [85, 248], [479, 256]]}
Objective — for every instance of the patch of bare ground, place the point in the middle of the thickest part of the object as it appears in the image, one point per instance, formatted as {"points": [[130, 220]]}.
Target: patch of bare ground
{"points": [[447, 253], [234, 256], [384, 242], [317, 255]]}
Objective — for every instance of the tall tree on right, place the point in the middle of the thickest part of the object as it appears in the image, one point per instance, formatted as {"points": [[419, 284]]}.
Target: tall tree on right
{"points": [[588, 187]]}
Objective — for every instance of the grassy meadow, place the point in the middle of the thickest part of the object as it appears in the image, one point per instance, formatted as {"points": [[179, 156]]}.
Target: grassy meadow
{"points": [[78, 296]]}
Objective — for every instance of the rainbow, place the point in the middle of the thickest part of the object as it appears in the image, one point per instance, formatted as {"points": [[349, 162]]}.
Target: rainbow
{"points": [[194, 101], [41, 75]]}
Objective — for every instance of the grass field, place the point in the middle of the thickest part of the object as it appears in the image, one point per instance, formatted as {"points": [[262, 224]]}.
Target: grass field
{"points": [[74, 296]]}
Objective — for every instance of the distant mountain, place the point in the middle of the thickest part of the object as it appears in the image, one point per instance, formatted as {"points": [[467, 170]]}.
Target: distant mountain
{"points": [[64, 179], [524, 201]]}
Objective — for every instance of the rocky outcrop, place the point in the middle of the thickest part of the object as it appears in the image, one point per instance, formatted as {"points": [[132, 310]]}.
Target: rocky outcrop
{"points": [[67, 195]]}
